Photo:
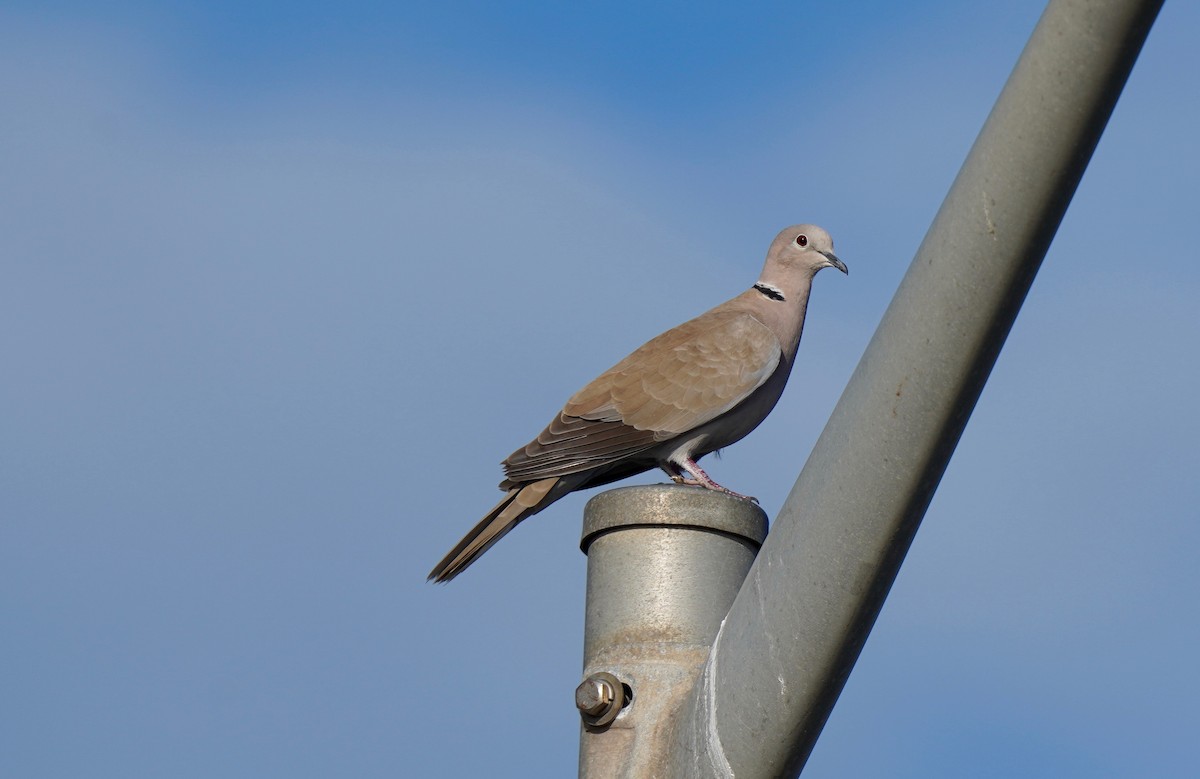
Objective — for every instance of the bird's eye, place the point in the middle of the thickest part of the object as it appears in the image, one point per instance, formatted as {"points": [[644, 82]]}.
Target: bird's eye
{"points": [[802, 240]]}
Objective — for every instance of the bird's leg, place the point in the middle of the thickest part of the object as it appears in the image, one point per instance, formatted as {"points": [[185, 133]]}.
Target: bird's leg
{"points": [[676, 473], [699, 478]]}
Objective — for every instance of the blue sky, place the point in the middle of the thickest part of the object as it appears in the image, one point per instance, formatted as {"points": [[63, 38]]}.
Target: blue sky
{"points": [[282, 283]]}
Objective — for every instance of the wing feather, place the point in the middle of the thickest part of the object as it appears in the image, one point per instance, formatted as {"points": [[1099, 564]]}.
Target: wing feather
{"points": [[673, 384]]}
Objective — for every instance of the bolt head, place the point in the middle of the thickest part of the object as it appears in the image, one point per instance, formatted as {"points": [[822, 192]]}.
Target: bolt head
{"points": [[593, 696]]}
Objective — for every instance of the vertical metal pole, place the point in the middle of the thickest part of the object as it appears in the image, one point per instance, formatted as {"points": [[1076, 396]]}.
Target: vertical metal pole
{"points": [[664, 564], [799, 623]]}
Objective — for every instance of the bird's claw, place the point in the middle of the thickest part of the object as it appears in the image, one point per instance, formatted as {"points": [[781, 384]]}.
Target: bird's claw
{"points": [[704, 480], [733, 494]]}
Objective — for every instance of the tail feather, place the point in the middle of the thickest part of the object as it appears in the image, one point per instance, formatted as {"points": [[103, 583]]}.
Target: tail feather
{"points": [[521, 501]]}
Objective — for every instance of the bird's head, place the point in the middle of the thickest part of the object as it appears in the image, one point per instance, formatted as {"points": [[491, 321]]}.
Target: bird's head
{"points": [[794, 258], [804, 247]]}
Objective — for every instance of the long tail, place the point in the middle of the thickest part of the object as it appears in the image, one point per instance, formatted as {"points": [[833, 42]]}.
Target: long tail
{"points": [[520, 502]]}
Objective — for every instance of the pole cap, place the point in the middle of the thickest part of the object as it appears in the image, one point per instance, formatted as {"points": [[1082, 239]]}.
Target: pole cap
{"points": [[657, 505]]}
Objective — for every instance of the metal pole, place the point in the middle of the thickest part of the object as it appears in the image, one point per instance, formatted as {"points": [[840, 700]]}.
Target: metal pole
{"points": [[664, 564], [799, 623]]}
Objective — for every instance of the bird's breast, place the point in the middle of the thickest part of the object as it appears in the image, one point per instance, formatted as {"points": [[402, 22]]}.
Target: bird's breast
{"points": [[738, 422]]}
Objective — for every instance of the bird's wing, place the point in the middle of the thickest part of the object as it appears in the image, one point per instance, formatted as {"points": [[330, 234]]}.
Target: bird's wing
{"points": [[673, 384]]}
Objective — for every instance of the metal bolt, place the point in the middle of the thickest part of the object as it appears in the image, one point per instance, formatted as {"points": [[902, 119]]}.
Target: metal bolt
{"points": [[599, 698], [593, 696]]}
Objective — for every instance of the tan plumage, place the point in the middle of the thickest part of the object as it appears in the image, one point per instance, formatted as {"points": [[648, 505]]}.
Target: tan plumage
{"points": [[692, 390]]}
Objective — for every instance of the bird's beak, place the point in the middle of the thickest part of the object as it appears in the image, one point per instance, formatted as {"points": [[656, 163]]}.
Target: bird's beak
{"points": [[834, 262]]}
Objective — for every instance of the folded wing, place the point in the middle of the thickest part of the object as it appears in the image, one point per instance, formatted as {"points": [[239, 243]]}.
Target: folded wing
{"points": [[670, 386]]}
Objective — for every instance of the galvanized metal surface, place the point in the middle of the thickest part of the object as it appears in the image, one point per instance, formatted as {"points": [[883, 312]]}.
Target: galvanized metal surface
{"points": [[664, 564], [797, 627]]}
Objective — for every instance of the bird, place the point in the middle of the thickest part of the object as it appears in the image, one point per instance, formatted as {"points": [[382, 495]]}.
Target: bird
{"points": [[693, 390]]}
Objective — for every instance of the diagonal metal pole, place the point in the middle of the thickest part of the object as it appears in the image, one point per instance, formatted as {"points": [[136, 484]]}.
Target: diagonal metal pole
{"points": [[799, 622]]}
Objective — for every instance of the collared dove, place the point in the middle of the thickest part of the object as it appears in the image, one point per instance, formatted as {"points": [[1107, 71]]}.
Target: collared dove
{"points": [[692, 390]]}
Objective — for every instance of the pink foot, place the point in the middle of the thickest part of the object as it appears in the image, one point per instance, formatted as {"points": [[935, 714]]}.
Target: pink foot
{"points": [[699, 478]]}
